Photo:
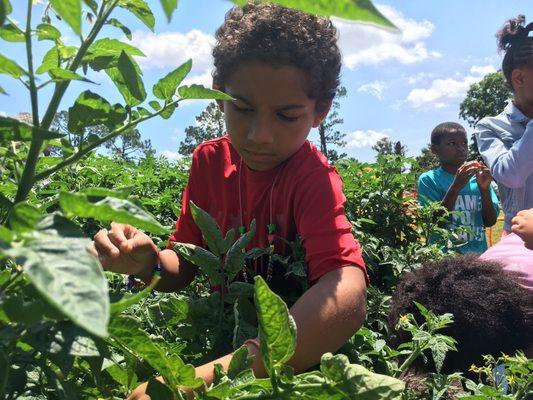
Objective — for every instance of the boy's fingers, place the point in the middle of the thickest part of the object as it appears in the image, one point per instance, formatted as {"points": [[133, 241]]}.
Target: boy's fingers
{"points": [[104, 246]]}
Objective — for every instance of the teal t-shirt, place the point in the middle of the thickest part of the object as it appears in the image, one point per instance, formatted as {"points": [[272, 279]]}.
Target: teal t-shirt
{"points": [[433, 186]]}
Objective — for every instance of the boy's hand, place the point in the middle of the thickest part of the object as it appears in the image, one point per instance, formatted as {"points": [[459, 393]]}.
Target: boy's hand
{"points": [[483, 177], [125, 249], [523, 226], [464, 172]]}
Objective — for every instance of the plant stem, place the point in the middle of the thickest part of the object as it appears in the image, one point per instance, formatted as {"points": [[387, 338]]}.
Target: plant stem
{"points": [[36, 143], [414, 355], [75, 157], [28, 175]]}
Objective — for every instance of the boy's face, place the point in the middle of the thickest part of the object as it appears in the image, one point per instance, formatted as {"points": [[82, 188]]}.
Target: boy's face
{"points": [[271, 116], [452, 149]]}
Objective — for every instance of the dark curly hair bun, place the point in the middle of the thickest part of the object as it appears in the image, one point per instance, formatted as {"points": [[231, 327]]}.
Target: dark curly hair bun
{"points": [[515, 41], [279, 36], [492, 312]]}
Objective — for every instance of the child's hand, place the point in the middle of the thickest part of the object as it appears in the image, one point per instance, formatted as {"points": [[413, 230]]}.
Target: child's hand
{"points": [[523, 226], [483, 177], [125, 250], [464, 173]]}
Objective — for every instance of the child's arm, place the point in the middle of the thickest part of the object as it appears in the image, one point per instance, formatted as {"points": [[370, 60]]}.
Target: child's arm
{"points": [[127, 250], [488, 211], [523, 226], [513, 166], [326, 316]]}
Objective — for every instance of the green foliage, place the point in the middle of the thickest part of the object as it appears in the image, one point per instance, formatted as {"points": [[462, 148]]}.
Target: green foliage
{"points": [[486, 98], [357, 10], [210, 124], [70, 331], [327, 132]]}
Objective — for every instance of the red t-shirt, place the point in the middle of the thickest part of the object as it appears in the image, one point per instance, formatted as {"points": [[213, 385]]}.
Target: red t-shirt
{"points": [[307, 200]]}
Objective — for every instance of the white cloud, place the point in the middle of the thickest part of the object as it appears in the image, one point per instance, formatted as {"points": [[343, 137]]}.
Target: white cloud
{"points": [[360, 139], [3, 114], [171, 49], [205, 79], [441, 92], [373, 88], [414, 79], [482, 69], [362, 44], [171, 155]]}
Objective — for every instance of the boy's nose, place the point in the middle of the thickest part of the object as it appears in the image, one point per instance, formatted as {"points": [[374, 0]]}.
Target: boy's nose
{"points": [[261, 132]]}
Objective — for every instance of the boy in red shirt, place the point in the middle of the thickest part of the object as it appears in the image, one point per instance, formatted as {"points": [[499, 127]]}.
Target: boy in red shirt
{"points": [[282, 68]]}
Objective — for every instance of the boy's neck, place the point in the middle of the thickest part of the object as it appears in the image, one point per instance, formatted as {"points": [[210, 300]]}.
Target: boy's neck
{"points": [[525, 107], [449, 168]]}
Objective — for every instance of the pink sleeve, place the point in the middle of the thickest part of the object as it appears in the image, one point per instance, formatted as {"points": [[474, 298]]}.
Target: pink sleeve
{"points": [[186, 230], [326, 232]]}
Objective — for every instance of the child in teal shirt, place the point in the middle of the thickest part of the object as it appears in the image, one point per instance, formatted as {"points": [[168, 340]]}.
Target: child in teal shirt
{"points": [[460, 185]]}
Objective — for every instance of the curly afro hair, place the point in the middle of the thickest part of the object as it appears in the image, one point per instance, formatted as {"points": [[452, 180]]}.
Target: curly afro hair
{"points": [[492, 312], [279, 36], [514, 40]]}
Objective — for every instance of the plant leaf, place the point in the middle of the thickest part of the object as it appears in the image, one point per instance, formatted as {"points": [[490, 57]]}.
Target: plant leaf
{"points": [[68, 277], [70, 11], [277, 330], [202, 258], [110, 209], [10, 67], [127, 78], [127, 331], [50, 60], [23, 217], [90, 109], [47, 32], [240, 361], [208, 227], [104, 53], [117, 24], [235, 256], [5, 9], [124, 303], [12, 33], [141, 10], [199, 92], [13, 129], [351, 10], [169, 6], [166, 87], [358, 382], [60, 74], [168, 111]]}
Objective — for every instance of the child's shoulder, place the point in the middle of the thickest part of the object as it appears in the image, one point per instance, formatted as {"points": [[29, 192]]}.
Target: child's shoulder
{"points": [[429, 175], [212, 147]]}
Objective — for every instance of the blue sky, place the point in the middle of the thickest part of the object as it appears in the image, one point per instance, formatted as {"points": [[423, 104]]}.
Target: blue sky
{"points": [[399, 85]]}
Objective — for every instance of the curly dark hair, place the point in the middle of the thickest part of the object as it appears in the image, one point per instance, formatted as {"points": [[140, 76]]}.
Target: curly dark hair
{"points": [[514, 40], [492, 312], [279, 36], [443, 129]]}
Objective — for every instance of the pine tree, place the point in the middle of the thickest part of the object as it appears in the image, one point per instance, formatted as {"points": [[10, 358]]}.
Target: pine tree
{"points": [[210, 125], [329, 136]]}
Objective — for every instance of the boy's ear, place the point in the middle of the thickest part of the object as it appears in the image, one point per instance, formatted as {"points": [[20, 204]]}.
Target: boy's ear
{"points": [[434, 150], [220, 103], [517, 77], [320, 115]]}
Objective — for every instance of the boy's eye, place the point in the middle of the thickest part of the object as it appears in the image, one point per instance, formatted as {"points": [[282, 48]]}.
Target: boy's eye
{"points": [[241, 109], [287, 118]]}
